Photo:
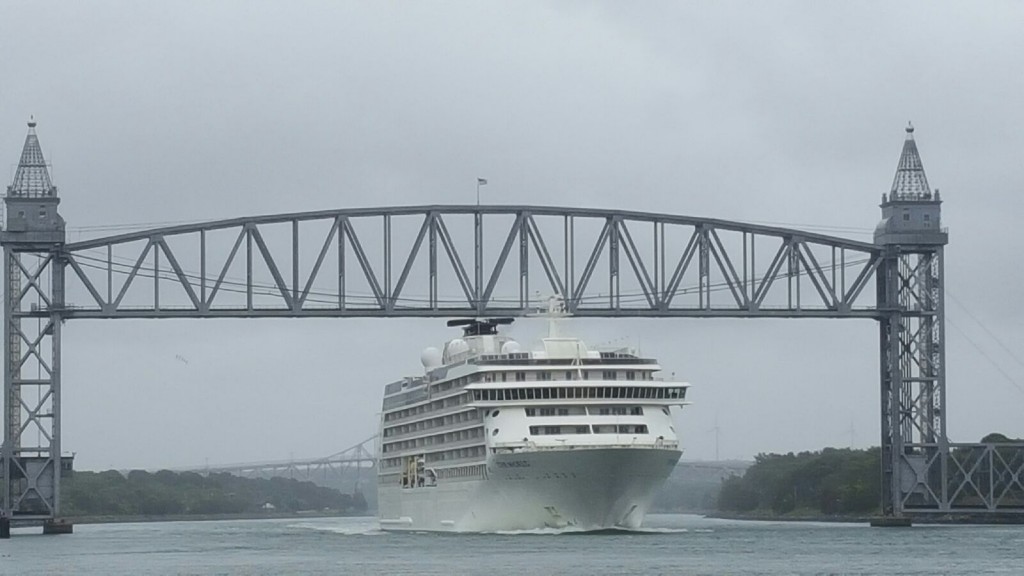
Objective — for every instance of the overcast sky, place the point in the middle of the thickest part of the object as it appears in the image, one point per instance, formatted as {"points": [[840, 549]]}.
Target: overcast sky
{"points": [[787, 113]]}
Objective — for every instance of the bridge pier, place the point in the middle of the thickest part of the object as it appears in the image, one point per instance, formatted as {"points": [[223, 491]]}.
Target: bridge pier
{"points": [[58, 526]]}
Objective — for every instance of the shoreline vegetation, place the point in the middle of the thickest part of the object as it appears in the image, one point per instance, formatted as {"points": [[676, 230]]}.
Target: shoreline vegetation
{"points": [[142, 518], [110, 496], [830, 485], [844, 485]]}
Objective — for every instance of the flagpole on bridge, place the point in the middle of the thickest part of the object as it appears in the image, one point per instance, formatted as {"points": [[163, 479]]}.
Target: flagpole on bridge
{"points": [[479, 182]]}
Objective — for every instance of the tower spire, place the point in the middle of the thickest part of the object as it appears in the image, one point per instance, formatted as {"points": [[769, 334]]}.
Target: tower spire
{"points": [[911, 212], [32, 179], [910, 182], [32, 200]]}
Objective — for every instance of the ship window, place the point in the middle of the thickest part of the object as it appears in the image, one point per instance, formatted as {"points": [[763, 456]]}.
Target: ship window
{"points": [[609, 375], [552, 430], [563, 411], [561, 393], [531, 411], [494, 432], [544, 376], [494, 414], [504, 376], [619, 410], [520, 376], [568, 374], [586, 374], [906, 217], [636, 411], [630, 375], [547, 411], [604, 411], [583, 429], [529, 394]]}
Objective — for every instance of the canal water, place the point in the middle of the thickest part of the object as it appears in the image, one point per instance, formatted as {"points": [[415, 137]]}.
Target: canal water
{"points": [[670, 544]]}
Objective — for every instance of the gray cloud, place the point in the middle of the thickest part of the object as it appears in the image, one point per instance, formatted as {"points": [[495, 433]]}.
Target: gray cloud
{"points": [[782, 112]]}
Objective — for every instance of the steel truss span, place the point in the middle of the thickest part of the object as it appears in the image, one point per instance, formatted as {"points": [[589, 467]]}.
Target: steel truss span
{"points": [[465, 260]]}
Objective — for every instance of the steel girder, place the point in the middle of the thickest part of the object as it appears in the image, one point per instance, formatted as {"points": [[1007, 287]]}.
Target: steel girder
{"points": [[431, 261], [922, 472], [31, 462]]}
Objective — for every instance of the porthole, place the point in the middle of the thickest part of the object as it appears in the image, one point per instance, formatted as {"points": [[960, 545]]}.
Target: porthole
{"points": [[494, 432], [495, 414]]}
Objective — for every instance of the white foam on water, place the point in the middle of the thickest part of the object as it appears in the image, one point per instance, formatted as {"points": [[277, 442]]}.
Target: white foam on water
{"points": [[579, 530], [340, 529]]}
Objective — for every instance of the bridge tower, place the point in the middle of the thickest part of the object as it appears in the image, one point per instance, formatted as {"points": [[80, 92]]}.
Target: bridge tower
{"points": [[33, 240], [911, 297]]}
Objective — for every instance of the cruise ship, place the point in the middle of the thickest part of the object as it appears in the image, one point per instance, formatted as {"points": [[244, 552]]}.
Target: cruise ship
{"points": [[493, 438]]}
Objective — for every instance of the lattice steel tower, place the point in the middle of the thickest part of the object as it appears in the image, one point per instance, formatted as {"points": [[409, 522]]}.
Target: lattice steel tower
{"points": [[32, 240], [913, 373]]}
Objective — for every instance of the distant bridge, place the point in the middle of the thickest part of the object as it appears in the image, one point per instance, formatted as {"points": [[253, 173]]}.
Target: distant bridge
{"points": [[327, 471]]}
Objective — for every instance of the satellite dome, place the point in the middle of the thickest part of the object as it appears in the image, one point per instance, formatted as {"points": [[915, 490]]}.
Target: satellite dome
{"points": [[510, 347], [430, 357], [455, 347]]}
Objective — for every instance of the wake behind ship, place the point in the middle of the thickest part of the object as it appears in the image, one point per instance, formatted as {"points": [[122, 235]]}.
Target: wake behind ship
{"points": [[493, 438]]}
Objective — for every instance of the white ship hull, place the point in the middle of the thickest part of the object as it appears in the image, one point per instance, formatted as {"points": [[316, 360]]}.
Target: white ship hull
{"points": [[579, 488]]}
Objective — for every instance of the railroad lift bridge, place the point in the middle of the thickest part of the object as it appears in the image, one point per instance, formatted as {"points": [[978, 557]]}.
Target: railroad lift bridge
{"points": [[444, 261]]}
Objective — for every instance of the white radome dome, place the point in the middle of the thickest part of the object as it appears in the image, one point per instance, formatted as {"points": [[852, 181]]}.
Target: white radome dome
{"points": [[510, 347], [456, 347], [430, 358]]}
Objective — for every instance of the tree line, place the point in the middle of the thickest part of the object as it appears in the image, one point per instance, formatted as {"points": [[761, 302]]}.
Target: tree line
{"points": [[832, 481], [843, 481], [141, 493]]}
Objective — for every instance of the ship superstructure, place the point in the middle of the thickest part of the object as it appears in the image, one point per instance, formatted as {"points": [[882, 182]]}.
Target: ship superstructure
{"points": [[492, 437]]}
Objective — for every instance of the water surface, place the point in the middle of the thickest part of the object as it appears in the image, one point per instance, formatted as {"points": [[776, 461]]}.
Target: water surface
{"points": [[671, 544]]}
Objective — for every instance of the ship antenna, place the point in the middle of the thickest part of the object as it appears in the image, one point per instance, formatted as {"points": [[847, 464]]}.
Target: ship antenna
{"points": [[556, 311]]}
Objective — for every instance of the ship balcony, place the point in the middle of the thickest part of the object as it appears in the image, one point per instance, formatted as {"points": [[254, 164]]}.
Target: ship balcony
{"points": [[430, 444], [574, 392], [593, 442], [469, 424]]}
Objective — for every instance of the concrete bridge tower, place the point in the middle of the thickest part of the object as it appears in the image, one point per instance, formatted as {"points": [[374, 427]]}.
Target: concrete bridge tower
{"points": [[913, 372]]}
